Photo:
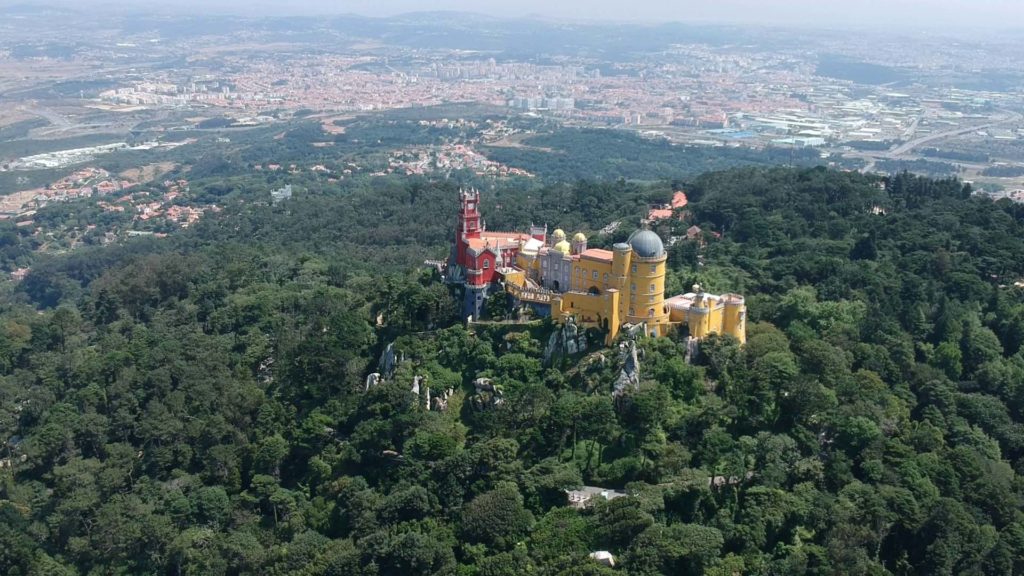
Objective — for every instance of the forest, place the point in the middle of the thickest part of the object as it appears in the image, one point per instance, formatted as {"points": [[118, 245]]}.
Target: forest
{"points": [[571, 153], [932, 168], [199, 404]]}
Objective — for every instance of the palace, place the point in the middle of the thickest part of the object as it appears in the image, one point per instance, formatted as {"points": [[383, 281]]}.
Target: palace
{"points": [[563, 278]]}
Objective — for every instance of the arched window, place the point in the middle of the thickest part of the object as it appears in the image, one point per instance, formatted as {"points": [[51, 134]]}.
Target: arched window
{"points": [[650, 313], [652, 288], [487, 264]]}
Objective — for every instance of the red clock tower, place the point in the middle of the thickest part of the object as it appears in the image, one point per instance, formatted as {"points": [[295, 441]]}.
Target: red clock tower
{"points": [[470, 225]]}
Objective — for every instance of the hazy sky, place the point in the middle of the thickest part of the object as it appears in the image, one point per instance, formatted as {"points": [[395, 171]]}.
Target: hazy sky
{"points": [[947, 14]]}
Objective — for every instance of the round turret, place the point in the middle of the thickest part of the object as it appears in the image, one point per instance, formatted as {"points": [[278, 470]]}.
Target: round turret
{"points": [[579, 243], [557, 236], [647, 244]]}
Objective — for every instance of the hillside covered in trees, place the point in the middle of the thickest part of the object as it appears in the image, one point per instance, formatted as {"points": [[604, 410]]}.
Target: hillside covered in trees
{"points": [[198, 405]]}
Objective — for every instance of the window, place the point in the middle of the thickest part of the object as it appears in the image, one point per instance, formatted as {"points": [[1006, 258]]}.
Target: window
{"points": [[654, 268], [632, 297], [595, 274], [650, 313], [605, 277], [632, 288], [632, 312], [634, 267], [652, 288], [487, 264]]}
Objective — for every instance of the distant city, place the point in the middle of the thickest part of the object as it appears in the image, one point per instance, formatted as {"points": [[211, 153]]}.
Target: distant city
{"points": [[946, 106]]}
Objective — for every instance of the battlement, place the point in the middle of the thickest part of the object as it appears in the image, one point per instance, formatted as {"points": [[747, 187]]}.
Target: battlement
{"points": [[534, 295]]}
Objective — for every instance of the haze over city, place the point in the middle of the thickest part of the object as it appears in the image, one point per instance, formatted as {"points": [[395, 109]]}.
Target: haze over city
{"points": [[945, 15]]}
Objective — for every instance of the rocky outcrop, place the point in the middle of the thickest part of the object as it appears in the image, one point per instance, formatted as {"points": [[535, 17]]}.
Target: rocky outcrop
{"points": [[439, 403], [389, 361], [566, 341], [488, 394], [629, 377]]}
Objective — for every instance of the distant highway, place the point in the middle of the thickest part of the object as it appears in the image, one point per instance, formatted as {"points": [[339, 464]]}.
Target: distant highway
{"points": [[910, 145], [902, 151]]}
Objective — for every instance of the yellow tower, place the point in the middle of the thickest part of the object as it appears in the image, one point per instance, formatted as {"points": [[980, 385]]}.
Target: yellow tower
{"points": [[622, 257], [735, 321], [579, 243], [705, 314], [645, 301], [700, 320]]}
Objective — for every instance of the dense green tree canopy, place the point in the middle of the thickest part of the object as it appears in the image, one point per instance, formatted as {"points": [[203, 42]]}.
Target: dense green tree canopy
{"points": [[201, 404]]}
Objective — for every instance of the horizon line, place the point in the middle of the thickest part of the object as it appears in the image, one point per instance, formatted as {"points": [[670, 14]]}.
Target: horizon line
{"points": [[222, 10]]}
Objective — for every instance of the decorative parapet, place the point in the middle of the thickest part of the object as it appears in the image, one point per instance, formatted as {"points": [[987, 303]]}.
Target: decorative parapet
{"points": [[536, 295]]}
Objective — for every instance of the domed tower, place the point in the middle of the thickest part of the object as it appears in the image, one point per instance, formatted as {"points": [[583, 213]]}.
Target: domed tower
{"points": [[557, 236], [579, 243], [646, 281], [562, 246]]}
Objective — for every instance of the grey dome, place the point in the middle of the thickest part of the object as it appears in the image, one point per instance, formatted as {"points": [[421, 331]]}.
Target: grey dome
{"points": [[647, 244]]}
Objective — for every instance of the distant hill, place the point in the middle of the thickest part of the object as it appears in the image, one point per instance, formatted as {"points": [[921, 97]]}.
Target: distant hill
{"points": [[844, 68], [36, 10]]}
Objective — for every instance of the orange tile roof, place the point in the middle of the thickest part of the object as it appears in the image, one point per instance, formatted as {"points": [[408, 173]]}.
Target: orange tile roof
{"points": [[506, 235], [497, 240], [597, 254], [659, 214], [480, 244]]}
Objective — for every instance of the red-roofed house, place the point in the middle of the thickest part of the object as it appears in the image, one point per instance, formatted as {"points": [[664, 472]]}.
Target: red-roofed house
{"points": [[666, 211]]}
